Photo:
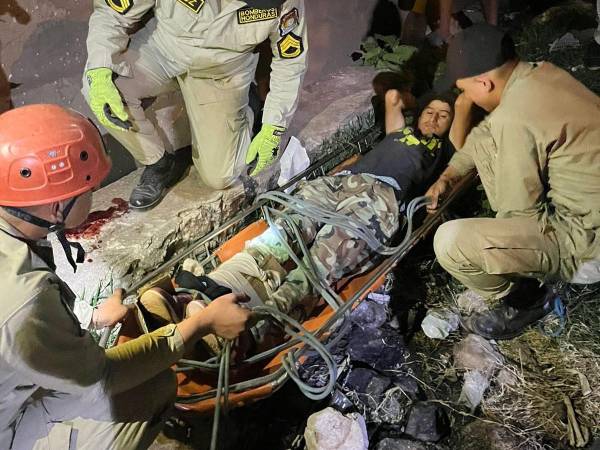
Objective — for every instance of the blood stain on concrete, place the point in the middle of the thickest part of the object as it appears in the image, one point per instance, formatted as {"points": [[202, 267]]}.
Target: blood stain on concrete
{"points": [[97, 219]]}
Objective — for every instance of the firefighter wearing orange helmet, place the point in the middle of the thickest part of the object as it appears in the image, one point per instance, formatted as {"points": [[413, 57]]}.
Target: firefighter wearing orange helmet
{"points": [[58, 388]]}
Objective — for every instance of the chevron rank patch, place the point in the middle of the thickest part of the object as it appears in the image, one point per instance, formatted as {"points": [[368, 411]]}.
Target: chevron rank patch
{"points": [[290, 46], [251, 15], [120, 6], [289, 21], [194, 5]]}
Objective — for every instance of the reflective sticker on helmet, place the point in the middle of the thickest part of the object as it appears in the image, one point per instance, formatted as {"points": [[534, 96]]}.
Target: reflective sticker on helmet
{"points": [[290, 46], [120, 6]]}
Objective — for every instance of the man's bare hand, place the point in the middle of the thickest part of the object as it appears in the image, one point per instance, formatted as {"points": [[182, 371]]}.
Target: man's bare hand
{"points": [[111, 311], [225, 317], [436, 193], [463, 104]]}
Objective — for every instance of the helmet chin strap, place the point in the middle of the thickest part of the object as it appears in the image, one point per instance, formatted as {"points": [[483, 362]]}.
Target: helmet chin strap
{"points": [[57, 228]]}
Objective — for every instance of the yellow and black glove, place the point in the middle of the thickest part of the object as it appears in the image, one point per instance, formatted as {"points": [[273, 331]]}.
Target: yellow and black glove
{"points": [[265, 146], [105, 99]]}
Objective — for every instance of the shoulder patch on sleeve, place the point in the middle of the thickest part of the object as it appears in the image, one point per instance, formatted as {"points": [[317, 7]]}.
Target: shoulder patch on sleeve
{"points": [[251, 15], [120, 6], [194, 5], [290, 46], [289, 21]]}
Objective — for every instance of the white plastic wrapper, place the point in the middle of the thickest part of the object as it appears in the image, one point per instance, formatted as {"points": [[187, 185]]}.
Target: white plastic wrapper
{"points": [[331, 430], [475, 385], [439, 323], [293, 161]]}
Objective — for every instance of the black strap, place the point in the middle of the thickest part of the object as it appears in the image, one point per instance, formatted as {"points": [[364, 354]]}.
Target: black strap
{"points": [[202, 284], [57, 228], [24, 215], [67, 245]]}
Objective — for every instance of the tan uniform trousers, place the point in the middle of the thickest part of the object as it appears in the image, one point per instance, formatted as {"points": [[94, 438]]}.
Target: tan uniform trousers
{"points": [[128, 421], [487, 255], [170, 109]]}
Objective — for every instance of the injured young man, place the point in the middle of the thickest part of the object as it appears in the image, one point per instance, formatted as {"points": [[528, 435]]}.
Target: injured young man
{"points": [[372, 191]]}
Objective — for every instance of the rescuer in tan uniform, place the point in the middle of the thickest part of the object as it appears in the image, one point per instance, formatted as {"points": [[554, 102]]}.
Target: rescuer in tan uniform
{"points": [[201, 51], [538, 156], [58, 389]]}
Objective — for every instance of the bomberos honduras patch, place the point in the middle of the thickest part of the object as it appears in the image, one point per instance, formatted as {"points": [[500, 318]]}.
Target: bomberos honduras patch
{"points": [[251, 15]]}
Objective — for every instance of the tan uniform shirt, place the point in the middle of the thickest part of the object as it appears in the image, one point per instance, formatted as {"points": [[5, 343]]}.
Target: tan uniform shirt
{"points": [[538, 154], [44, 351], [210, 38]]}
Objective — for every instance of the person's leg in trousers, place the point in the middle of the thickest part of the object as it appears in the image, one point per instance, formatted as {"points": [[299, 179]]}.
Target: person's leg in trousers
{"points": [[320, 192], [337, 252], [130, 420], [500, 259], [221, 125], [488, 255], [154, 77], [156, 110]]}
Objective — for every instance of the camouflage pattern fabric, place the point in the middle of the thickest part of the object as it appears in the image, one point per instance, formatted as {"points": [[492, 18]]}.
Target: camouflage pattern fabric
{"points": [[338, 252]]}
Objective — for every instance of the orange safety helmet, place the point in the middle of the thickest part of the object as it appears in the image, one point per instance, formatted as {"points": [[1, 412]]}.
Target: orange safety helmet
{"points": [[48, 153]]}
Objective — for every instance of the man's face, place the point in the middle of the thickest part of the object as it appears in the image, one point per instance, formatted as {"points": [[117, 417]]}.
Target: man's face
{"points": [[477, 88], [80, 210], [436, 118]]}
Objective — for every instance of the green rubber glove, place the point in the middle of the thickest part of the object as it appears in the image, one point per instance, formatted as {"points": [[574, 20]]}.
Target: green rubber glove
{"points": [[265, 146], [105, 99]]}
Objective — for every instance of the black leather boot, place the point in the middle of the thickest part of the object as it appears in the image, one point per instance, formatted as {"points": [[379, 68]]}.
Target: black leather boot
{"points": [[518, 310], [154, 182]]}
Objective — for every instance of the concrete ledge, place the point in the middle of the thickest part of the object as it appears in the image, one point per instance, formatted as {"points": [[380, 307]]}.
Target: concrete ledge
{"points": [[125, 245]]}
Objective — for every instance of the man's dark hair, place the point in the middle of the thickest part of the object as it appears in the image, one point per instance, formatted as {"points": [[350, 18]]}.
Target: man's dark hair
{"points": [[448, 97]]}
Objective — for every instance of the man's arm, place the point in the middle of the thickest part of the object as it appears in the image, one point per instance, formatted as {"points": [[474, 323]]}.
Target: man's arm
{"points": [[108, 34], [395, 103], [442, 186], [461, 164], [289, 44], [521, 173], [44, 343], [463, 121]]}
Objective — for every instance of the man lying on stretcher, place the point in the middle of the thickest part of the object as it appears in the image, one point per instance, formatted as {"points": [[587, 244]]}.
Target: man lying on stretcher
{"points": [[371, 191]]}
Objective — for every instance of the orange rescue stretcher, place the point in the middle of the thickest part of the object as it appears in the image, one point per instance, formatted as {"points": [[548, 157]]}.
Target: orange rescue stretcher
{"points": [[197, 387]]}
